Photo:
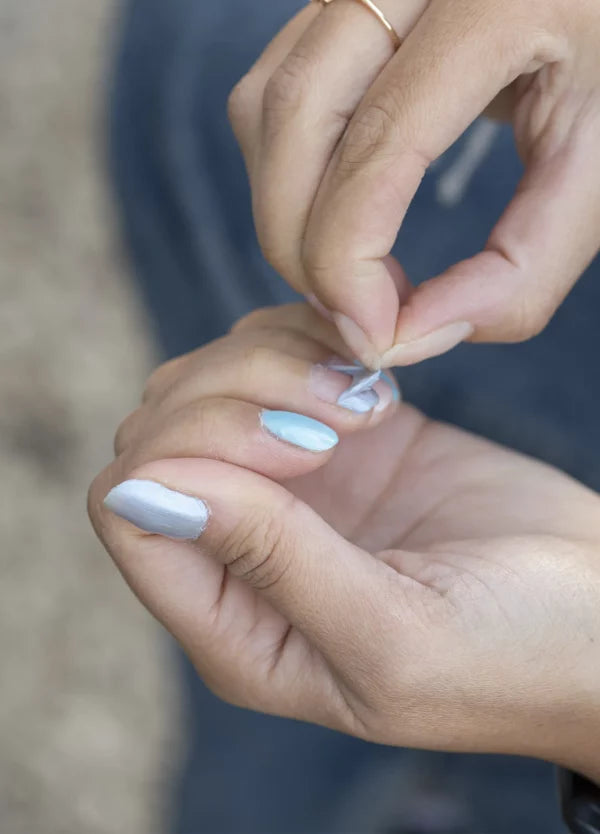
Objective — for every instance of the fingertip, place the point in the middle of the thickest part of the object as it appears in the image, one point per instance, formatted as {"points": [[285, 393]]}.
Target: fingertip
{"points": [[432, 344], [368, 306]]}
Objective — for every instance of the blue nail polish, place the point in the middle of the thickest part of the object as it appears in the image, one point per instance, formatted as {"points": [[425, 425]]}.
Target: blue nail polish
{"points": [[299, 430], [154, 508], [387, 378]]}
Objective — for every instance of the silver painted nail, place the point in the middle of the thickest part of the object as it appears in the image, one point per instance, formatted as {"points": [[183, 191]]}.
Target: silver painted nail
{"points": [[156, 509]]}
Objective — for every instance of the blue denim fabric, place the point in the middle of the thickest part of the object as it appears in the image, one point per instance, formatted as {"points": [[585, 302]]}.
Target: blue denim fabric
{"points": [[186, 216]]}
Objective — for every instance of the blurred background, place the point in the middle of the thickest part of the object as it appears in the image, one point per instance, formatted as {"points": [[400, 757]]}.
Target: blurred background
{"points": [[87, 708]]}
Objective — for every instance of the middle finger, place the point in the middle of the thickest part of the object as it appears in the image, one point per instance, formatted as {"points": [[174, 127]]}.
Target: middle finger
{"points": [[307, 104]]}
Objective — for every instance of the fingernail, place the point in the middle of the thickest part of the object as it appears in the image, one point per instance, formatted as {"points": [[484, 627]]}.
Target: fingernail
{"points": [[154, 508], [363, 381], [299, 430], [331, 382], [357, 340], [361, 390], [433, 344], [380, 383], [319, 307]]}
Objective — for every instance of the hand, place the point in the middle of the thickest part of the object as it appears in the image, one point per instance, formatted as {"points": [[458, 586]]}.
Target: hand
{"points": [[337, 132], [414, 585]]}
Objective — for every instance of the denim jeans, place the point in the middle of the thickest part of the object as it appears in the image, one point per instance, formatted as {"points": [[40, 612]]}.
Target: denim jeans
{"points": [[185, 209]]}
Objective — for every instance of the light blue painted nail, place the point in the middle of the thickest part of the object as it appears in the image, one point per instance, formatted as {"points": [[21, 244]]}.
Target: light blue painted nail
{"points": [[387, 378], [299, 430], [154, 508]]}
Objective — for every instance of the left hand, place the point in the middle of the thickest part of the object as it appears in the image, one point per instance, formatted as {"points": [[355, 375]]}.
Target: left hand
{"points": [[338, 131], [415, 586]]}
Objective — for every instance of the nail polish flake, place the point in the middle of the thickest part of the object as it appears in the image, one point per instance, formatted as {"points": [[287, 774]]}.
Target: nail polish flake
{"points": [[359, 396]]}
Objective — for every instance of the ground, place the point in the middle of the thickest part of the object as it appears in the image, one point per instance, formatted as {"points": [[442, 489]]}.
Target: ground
{"points": [[87, 702]]}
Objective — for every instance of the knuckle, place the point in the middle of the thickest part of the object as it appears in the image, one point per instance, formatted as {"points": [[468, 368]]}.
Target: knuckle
{"points": [[258, 360], [160, 378], [319, 267], [258, 550], [125, 431], [273, 244], [263, 318], [252, 321], [239, 101], [267, 318], [529, 320], [527, 316], [370, 136], [153, 383], [525, 300], [289, 86], [195, 428]]}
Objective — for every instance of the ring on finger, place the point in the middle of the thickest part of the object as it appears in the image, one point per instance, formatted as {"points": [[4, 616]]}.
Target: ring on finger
{"points": [[374, 9]]}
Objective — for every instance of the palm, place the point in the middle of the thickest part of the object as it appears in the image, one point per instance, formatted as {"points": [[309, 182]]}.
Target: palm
{"points": [[456, 503], [415, 484]]}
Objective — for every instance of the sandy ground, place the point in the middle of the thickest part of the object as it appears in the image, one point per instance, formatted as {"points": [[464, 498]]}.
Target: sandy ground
{"points": [[86, 707]]}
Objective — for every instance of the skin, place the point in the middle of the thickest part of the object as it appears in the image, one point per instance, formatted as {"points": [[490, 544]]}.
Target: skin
{"points": [[416, 586], [337, 132]]}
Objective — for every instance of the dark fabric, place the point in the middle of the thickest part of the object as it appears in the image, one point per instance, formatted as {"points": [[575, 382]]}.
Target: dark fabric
{"points": [[186, 215], [580, 803]]}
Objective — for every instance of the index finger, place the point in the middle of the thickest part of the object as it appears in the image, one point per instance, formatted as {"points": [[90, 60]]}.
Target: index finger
{"points": [[458, 57]]}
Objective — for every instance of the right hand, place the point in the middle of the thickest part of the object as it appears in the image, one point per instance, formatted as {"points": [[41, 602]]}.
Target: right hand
{"points": [[337, 132], [415, 585]]}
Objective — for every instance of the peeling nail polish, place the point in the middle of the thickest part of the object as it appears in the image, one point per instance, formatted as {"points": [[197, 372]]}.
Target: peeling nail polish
{"points": [[329, 382], [363, 382], [361, 403]]}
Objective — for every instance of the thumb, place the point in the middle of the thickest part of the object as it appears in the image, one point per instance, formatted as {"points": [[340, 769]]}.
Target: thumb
{"points": [[545, 239], [197, 538]]}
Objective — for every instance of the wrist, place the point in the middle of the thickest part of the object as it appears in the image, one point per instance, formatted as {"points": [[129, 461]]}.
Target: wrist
{"points": [[576, 679], [566, 729]]}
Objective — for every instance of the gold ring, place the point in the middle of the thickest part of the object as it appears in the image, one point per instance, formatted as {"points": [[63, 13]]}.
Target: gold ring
{"points": [[396, 40]]}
